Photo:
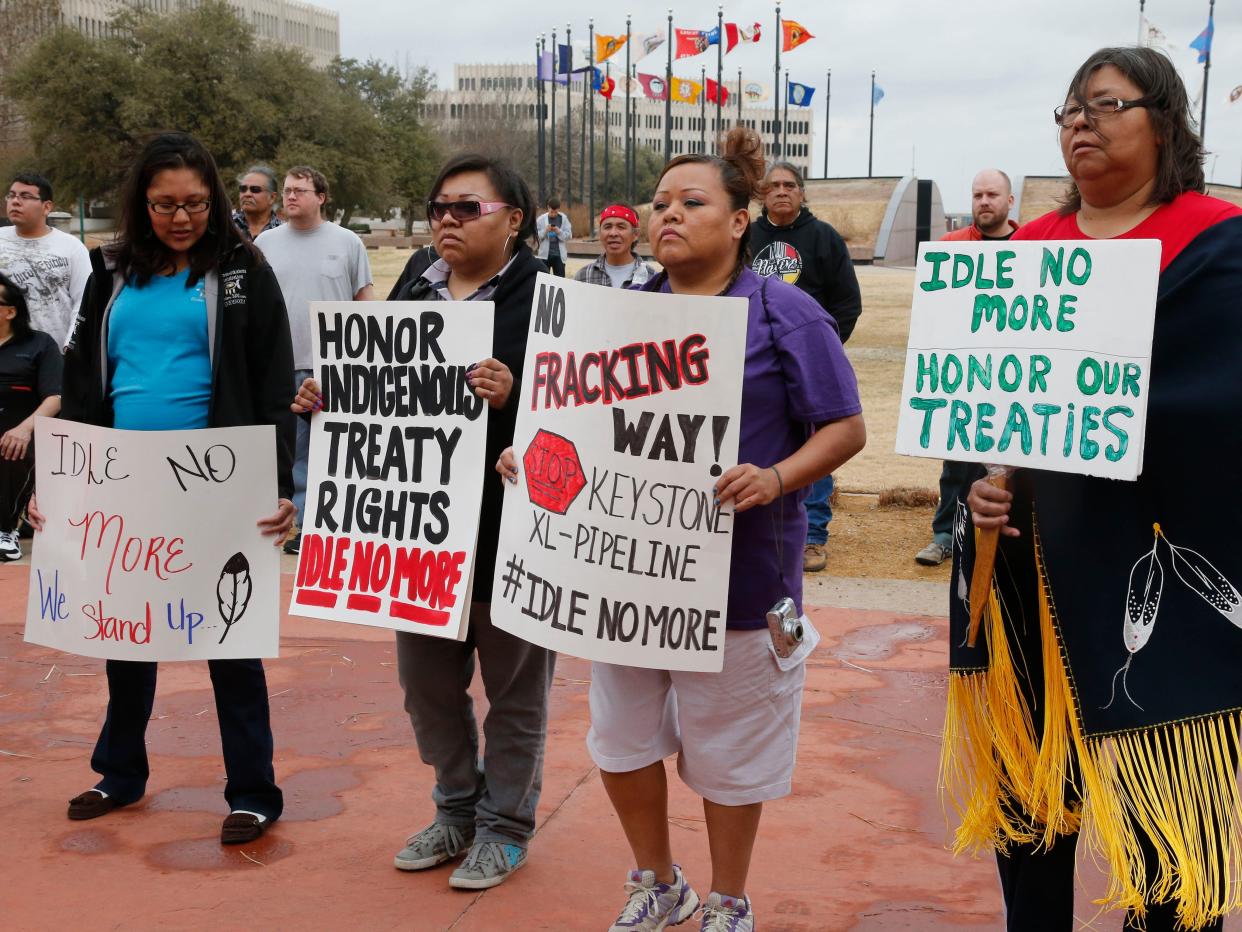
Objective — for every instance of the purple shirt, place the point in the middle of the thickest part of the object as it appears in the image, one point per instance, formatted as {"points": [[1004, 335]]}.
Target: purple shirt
{"points": [[796, 376]]}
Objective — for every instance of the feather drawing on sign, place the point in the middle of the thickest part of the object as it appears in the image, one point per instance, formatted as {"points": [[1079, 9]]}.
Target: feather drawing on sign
{"points": [[233, 591], [1143, 597]]}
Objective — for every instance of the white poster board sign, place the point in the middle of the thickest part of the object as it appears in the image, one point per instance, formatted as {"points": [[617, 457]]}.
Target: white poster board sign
{"points": [[396, 465], [1033, 354], [151, 549], [611, 547]]}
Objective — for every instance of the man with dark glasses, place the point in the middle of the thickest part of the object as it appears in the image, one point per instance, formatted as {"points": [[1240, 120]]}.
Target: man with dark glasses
{"points": [[257, 202]]}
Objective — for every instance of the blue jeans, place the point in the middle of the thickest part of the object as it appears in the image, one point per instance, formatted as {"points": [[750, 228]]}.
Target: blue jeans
{"points": [[301, 452], [819, 511]]}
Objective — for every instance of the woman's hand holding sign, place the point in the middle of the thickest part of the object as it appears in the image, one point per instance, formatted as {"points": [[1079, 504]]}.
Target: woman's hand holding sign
{"points": [[507, 466], [281, 523], [492, 381], [747, 486], [308, 399]]}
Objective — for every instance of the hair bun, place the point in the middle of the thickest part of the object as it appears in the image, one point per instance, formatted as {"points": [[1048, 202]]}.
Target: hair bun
{"points": [[743, 148]]}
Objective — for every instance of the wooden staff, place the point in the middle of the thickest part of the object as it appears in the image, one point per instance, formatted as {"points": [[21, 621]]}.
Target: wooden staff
{"points": [[985, 560]]}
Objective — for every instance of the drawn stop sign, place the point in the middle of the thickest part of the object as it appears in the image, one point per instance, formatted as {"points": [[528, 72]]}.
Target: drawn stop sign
{"points": [[553, 472]]}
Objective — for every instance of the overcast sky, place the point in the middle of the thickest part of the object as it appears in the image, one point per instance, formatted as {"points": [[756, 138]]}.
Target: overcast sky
{"points": [[967, 83]]}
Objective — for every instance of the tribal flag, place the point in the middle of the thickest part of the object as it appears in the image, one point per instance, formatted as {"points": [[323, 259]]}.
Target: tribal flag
{"points": [[653, 86], [607, 46], [690, 42], [603, 85], [686, 91], [648, 43], [733, 35], [713, 90], [799, 94], [1203, 42], [795, 35], [755, 92]]}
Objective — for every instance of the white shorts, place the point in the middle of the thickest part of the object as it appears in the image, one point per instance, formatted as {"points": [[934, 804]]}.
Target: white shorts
{"points": [[735, 733]]}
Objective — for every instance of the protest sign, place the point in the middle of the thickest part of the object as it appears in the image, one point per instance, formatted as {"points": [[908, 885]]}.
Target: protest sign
{"points": [[1031, 354], [611, 546], [150, 550], [396, 465]]}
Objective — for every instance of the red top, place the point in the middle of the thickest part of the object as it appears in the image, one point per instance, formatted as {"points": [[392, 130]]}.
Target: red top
{"points": [[1175, 224], [973, 233]]}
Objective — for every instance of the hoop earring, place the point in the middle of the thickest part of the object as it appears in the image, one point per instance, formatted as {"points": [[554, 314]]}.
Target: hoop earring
{"points": [[505, 250]]}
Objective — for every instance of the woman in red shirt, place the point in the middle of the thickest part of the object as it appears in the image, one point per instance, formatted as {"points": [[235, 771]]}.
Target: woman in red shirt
{"points": [[1054, 725]]}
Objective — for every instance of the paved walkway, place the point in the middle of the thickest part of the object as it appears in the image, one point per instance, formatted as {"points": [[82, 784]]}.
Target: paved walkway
{"points": [[859, 845]]}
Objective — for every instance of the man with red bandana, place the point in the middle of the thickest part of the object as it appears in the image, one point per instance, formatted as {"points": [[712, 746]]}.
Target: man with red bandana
{"points": [[619, 266]]}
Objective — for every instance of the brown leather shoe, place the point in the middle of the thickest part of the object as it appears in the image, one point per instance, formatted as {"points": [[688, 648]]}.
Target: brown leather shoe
{"points": [[814, 558], [90, 805], [242, 827]]}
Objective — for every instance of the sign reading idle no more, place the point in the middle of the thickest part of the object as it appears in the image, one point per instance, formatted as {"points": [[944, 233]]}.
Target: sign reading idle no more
{"points": [[1032, 354], [611, 547], [150, 550], [396, 465]]}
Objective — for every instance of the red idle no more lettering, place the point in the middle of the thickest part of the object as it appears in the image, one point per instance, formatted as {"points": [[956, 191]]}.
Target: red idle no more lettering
{"points": [[429, 577]]}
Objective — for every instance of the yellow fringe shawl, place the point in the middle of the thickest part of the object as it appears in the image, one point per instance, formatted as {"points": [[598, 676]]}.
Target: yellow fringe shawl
{"points": [[1175, 782]]}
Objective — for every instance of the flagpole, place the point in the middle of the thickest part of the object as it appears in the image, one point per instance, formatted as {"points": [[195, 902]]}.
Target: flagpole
{"points": [[556, 54], [543, 191], [785, 118], [607, 124], [776, 86], [668, 93], [632, 103], [739, 95], [871, 131], [591, 159], [720, 40], [569, 119], [827, 113], [629, 191], [1207, 64], [582, 140], [703, 108]]}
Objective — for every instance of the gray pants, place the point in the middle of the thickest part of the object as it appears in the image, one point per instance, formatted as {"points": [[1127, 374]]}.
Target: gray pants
{"points": [[499, 797]]}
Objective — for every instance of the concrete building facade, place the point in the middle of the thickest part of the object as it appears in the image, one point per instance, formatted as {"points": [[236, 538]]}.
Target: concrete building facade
{"points": [[312, 29], [508, 91]]}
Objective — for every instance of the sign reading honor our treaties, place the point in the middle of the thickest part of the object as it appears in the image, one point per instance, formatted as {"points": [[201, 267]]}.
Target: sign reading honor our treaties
{"points": [[1033, 354], [396, 465], [611, 546], [151, 550]]}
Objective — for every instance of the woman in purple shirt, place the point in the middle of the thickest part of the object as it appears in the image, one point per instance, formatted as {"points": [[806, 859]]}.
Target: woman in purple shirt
{"points": [[734, 732]]}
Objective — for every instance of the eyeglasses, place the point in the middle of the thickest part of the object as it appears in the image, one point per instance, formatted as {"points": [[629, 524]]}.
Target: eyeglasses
{"points": [[297, 192], [253, 189], [464, 211], [1097, 107], [21, 196], [165, 209]]}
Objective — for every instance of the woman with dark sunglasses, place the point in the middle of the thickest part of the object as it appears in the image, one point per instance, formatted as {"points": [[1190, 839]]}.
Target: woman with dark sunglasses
{"points": [[1058, 722], [481, 214]]}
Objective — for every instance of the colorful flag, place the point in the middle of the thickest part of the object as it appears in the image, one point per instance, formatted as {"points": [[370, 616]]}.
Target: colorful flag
{"points": [[605, 86], [607, 46], [648, 43], [653, 86], [1235, 94], [689, 42], [799, 94], [1203, 41], [877, 94], [686, 91], [713, 89], [755, 92], [733, 35], [795, 35]]}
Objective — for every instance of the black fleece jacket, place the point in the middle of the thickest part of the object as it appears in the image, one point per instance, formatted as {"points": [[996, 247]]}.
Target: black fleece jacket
{"points": [[511, 325], [818, 262], [251, 355]]}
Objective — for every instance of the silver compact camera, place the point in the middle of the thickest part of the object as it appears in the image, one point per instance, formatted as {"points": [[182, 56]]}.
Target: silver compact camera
{"points": [[785, 627]]}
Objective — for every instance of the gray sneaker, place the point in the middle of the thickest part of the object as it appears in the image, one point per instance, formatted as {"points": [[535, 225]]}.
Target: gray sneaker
{"points": [[433, 845], [488, 864], [653, 906], [933, 554]]}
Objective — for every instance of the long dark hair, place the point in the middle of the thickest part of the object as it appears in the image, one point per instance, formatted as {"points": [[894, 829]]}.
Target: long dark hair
{"points": [[1179, 160], [12, 294], [138, 252], [740, 164]]}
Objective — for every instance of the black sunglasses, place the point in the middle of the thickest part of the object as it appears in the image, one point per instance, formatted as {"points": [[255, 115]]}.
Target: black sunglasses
{"points": [[464, 211], [253, 189]]}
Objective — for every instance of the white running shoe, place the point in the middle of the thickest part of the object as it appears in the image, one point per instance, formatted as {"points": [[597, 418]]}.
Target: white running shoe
{"points": [[653, 906], [10, 546]]}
